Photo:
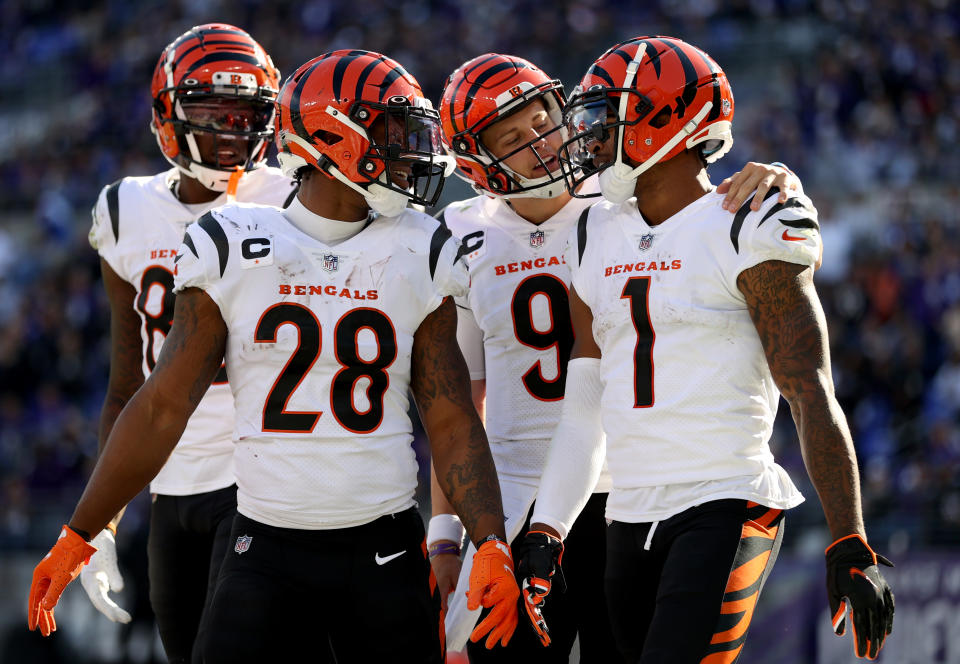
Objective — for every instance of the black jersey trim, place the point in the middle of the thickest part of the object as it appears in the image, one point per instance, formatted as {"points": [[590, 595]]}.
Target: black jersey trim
{"points": [[215, 231], [293, 194], [793, 223], [741, 216], [188, 241], [440, 237], [113, 208], [582, 234]]}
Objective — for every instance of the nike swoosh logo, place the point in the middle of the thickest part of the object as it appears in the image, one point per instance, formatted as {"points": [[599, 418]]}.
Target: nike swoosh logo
{"points": [[386, 559], [790, 238], [854, 573]]}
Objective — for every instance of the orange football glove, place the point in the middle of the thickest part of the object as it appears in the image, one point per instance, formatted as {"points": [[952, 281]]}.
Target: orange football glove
{"points": [[57, 569], [493, 585]]}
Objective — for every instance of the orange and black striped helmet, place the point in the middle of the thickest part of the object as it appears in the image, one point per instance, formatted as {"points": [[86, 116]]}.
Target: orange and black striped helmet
{"points": [[214, 79], [658, 96], [361, 118], [478, 94]]}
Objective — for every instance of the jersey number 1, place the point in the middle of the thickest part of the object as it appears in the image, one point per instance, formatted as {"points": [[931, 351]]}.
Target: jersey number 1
{"points": [[637, 290], [276, 417]]}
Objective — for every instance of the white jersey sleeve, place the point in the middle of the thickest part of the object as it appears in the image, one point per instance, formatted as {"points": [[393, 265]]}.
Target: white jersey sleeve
{"points": [[104, 231], [199, 257], [788, 231], [470, 339], [573, 255]]}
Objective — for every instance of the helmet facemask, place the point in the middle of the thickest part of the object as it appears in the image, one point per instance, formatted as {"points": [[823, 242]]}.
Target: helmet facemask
{"points": [[501, 180], [404, 160], [405, 153], [219, 127]]}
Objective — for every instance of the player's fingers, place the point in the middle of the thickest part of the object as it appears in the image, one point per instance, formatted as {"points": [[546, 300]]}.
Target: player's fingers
{"points": [[48, 625], [763, 186], [482, 628], [37, 590], [839, 620], [860, 623], [724, 186], [474, 597], [503, 630], [114, 578], [888, 604]]}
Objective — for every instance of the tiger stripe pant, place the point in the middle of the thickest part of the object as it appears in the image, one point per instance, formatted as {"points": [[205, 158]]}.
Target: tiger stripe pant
{"points": [[686, 593]]}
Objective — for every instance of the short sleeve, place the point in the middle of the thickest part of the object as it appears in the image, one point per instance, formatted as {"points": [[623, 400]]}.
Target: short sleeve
{"points": [[470, 339], [105, 227], [788, 231], [450, 275], [573, 255], [194, 265]]}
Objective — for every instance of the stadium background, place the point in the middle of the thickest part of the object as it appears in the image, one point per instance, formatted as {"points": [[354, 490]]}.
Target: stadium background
{"points": [[861, 99]]}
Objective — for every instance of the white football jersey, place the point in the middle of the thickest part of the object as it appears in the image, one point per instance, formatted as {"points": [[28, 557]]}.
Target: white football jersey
{"points": [[519, 300], [688, 397], [138, 224], [319, 352]]}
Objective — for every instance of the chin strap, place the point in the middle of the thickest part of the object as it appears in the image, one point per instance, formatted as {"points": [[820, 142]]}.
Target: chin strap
{"points": [[233, 183]]}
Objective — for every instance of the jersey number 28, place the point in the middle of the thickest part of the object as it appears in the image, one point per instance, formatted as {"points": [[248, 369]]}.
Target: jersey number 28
{"points": [[276, 417]]}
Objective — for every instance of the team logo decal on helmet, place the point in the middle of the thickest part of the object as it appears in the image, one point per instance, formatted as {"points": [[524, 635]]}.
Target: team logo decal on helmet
{"points": [[214, 81], [658, 96], [359, 117], [484, 90]]}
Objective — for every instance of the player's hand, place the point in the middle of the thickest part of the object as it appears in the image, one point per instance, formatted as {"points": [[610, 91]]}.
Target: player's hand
{"points": [[58, 568], [446, 569], [101, 575], [759, 177], [538, 570], [854, 580], [493, 586]]}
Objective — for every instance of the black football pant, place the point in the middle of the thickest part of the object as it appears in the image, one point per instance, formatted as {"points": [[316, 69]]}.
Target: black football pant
{"points": [[348, 595], [579, 611], [690, 596], [187, 541]]}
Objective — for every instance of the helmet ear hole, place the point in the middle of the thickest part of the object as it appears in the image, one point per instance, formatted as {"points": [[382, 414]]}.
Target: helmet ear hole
{"points": [[327, 137], [662, 118]]}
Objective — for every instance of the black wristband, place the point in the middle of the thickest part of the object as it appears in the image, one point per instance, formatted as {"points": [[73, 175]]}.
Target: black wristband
{"points": [[491, 538], [82, 533]]}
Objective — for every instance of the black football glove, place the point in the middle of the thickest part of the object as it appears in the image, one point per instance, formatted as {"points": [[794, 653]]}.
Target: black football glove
{"points": [[538, 570], [853, 578]]}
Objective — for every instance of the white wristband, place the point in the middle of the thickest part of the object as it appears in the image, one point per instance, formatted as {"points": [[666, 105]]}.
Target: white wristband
{"points": [[445, 527]]}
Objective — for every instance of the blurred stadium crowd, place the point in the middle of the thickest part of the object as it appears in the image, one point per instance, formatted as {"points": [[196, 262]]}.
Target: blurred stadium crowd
{"points": [[862, 99]]}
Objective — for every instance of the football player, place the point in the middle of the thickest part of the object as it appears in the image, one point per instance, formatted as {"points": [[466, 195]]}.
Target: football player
{"points": [[502, 118], [689, 325], [326, 314], [213, 92]]}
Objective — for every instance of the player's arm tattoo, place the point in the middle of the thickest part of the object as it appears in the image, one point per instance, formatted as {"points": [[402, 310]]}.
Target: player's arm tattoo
{"points": [[786, 312], [126, 350], [440, 383], [148, 428], [194, 349]]}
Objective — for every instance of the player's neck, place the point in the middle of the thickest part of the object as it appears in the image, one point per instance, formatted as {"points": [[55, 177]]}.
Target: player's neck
{"points": [[670, 186], [331, 199], [190, 192], [538, 210]]}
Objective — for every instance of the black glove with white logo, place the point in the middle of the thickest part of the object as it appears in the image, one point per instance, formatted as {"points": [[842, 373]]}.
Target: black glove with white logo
{"points": [[854, 579], [538, 571]]}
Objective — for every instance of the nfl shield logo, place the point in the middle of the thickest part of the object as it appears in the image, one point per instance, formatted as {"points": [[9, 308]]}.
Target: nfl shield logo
{"points": [[646, 241], [243, 543], [331, 262], [536, 239]]}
